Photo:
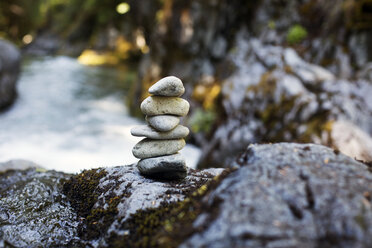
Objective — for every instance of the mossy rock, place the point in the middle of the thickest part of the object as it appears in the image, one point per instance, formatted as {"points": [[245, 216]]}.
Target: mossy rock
{"points": [[122, 200]]}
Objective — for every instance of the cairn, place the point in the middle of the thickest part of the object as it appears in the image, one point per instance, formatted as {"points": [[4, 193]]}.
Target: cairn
{"points": [[164, 137]]}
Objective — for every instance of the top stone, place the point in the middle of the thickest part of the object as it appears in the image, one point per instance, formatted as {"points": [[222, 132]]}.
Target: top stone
{"points": [[168, 86]]}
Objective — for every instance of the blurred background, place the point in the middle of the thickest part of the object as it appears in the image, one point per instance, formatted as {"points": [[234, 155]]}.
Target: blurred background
{"points": [[254, 72]]}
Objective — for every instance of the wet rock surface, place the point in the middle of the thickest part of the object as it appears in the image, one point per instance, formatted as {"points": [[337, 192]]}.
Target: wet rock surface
{"points": [[279, 195], [10, 59], [33, 210]]}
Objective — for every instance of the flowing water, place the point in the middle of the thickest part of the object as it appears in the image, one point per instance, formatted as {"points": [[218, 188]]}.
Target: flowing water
{"points": [[70, 117]]}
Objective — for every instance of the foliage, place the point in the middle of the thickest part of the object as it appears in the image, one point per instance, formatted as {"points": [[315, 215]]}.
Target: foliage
{"points": [[271, 24], [296, 34], [19, 17], [202, 120], [74, 18]]}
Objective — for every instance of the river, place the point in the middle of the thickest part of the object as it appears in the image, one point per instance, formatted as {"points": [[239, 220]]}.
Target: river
{"points": [[69, 117]]}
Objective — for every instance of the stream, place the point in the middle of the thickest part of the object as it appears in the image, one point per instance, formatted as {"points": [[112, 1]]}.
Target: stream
{"points": [[69, 117]]}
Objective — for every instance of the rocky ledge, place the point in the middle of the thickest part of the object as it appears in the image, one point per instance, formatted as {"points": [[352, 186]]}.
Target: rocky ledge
{"points": [[274, 195]]}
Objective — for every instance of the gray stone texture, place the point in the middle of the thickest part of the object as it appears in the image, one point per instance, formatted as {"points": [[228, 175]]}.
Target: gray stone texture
{"points": [[147, 131], [164, 167], [168, 86], [288, 195], [148, 148], [163, 123], [161, 105]]}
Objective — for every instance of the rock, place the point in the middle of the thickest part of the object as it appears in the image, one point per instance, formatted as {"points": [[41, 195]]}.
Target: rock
{"points": [[161, 105], [351, 140], [106, 200], [168, 142], [179, 132], [163, 123], [147, 148], [54, 209], [277, 195], [164, 167], [274, 95], [168, 86], [288, 195], [19, 164], [33, 210], [10, 63]]}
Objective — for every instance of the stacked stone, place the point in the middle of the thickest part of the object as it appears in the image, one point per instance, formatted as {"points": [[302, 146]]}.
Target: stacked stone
{"points": [[164, 137]]}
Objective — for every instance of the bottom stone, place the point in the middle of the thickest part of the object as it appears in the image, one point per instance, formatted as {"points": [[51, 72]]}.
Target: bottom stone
{"points": [[164, 167]]}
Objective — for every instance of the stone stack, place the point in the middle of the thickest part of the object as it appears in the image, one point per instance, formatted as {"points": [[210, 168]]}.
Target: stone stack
{"points": [[164, 137]]}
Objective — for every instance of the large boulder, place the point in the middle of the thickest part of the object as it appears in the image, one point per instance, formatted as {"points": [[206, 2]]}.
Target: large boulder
{"points": [[40, 208], [288, 195], [280, 195], [10, 59], [274, 96]]}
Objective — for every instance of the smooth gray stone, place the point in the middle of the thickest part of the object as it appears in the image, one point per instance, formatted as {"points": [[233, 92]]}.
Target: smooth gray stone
{"points": [[164, 167], [168, 86], [148, 148], [162, 105], [149, 132], [163, 123]]}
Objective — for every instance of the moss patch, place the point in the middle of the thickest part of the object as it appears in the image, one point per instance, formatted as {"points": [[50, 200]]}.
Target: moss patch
{"points": [[82, 192], [168, 225], [296, 34]]}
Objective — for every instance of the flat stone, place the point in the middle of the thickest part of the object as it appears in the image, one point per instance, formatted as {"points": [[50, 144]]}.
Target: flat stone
{"points": [[148, 148], [149, 132], [161, 105], [164, 167], [168, 86], [163, 123]]}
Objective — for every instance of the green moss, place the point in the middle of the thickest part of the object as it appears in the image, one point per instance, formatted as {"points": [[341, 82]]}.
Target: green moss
{"points": [[83, 193], [271, 24], [168, 225], [296, 34], [360, 220], [202, 120], [165, 226], [81, 190], [277, 128], [99, 219]]}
